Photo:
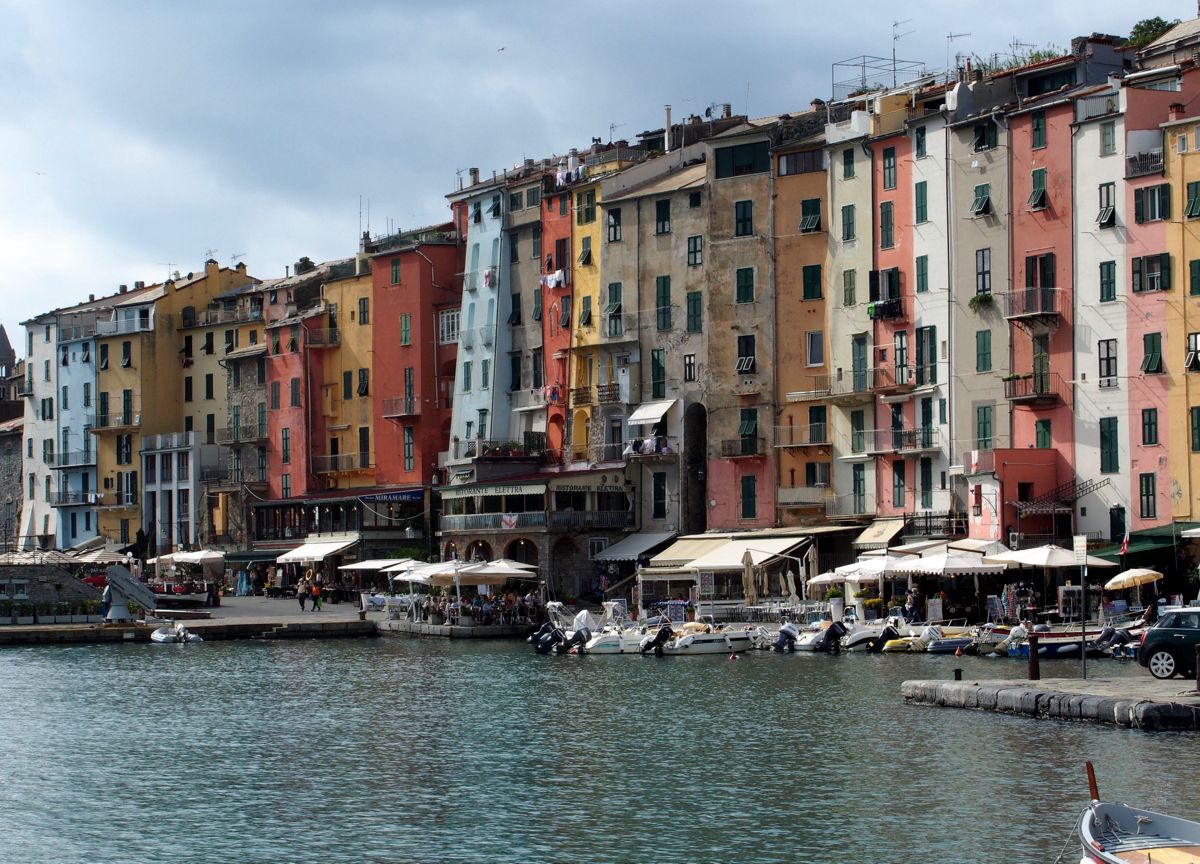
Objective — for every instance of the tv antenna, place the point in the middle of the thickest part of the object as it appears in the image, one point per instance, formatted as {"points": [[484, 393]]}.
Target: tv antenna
{"points": [[233, 259], [950, 37], [611, 128], [896, 37], [210, 254]]}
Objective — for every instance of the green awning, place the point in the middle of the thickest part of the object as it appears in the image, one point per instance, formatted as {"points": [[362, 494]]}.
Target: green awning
{"points": [[1158, 539]]}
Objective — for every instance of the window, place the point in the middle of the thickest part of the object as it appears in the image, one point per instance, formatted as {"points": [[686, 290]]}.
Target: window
{"points": [[514, 247], [898, 482], [1041, 434], [514, 309], [746, 361], [585, 311], [103, 357], [744, 285], [748, 430], [614, 225], [347, 385], [1108, 138], [482, 417], [208, 386], [816, 474], [395, 271], [1038, 123], [689, 367], [585, 251], [533, 196], [1151, 273], [985, 136], [812, 282], [364, 381], [983, 350], [1192, 207], [749, 505], [563, 204], [1106, 351], [612, 312], [364, 310], [1192, 359], [926, 355], [1108, 281], [848, 163], [695, 250], [448, 326], [743, 159], [535, 242], [885, 225], [662, 298], [919, 142], [662, 216], [295, 392], [1181, 142], [274, 394], [1153, 203], [1152, 361], [694, 199], [847, 223], [516, 201], [564, 318], [1037, 195], [889, 167], [285, 445], [800, 163], [285, 485], [743, 218], [1195, 417], [1147, 495], [658, 373], [126, 354], [466, 376], [1149, 426], [922, 266], [983, 271], [810, 215], [1107, 217], [485, 373], [981, 205], [514, 371], [849, 279], [187, 389], [87, 394], [536, 365], [406, 328], [536, 314], [1108, 445], [658, 498], [814, 348], [921, 198], [983, 427], [695, 312]]}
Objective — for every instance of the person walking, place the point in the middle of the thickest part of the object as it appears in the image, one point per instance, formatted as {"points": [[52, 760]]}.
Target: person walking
{"points": [[301, 593], [316, 597]]}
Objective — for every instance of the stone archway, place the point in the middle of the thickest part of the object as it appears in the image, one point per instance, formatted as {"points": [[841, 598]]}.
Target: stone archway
{"points": [[580, 429], [523, 550], [450, 551], [478, 550]]}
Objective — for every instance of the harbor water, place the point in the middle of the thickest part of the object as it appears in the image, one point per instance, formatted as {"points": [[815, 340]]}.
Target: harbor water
{"points": [[432, 750]]}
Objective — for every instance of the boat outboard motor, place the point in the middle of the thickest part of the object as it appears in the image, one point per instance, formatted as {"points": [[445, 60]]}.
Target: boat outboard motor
{"points": [[831, 641], [886, 635], [546, 644], [656, 642], [1105, 638], [578, 639], [788, 634], [536, 636]]}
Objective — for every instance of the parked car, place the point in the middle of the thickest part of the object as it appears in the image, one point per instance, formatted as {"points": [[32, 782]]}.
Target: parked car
{"points": [[1168, 648]]}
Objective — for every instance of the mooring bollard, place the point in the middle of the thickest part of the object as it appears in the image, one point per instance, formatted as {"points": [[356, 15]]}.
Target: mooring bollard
{"points": [[957, 674], [1035, 672]]}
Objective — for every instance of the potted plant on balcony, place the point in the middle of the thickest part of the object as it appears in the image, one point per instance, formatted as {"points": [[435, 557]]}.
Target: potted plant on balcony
{"points": [[980, 302], [466, 616]]}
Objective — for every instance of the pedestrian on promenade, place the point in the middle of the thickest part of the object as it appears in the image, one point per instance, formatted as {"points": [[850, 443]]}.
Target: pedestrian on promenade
{"points": [[301, 593], [316, 597]]}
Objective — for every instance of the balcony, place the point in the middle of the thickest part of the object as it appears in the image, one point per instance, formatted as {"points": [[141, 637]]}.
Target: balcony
{"points": [[746, 446], [327, 338], [233, 477], [493, 521], [948, 524], [487, 334], [24, 387], [341, 463], [608, 394], [581, 396], [598, 453], [850, 505], [1143, 164], [1037, 388], [74, 459], [401, 406], [79, 331], [655, 447], [224, 316], [812, 435], [122, 419], [801, 496], [887, 310], [75, 499], [244, 434], [892, 379], [589, 519], [920, 440], [124, 326], [481, 448], [113, 500], [1034, 305]]}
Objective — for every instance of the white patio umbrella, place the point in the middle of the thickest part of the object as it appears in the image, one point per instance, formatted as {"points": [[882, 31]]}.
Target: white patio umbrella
{"points": [[99, 556], [1134, 578], [515, 565], [1047, 556], [947, 564]]}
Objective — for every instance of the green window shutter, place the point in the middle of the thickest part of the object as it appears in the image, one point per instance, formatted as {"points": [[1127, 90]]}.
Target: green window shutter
{"points": [[1136, 276], [662, 292], [812, 281], [1139, 205], [922, 274], [1108, 445], [695, 314], [1164, 201], [1164, 277], [1195, 429], [921, 193], [885, 225], [849, 280], [749, 505], [744, 279], [1042, 434], [1194, 277], [983, 351], [1108, 281]]}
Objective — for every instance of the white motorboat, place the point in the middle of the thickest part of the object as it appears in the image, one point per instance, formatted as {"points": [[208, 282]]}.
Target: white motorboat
{"points": [[698, 638], [615, 634], [174, 633]]}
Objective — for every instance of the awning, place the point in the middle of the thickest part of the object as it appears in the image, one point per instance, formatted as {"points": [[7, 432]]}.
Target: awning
{"points": [[526, 408], [666, 574], [1148, 540], [762, 550], [650, 412], [685, 550], [978, 546], [634, 546], [372, 564], [473, 489], [879, 533], [310, 552]]}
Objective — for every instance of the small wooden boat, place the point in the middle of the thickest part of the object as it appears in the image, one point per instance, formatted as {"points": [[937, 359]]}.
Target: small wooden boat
{"points": [[1119, 834]]}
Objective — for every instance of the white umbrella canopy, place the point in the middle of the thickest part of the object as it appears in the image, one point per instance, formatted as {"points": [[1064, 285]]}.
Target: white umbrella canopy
{"points": [[496, 568], [1134, 578], [515, 565], [829, 578], [1047, 556], [946, 564], [206, 556], [99, 556]]}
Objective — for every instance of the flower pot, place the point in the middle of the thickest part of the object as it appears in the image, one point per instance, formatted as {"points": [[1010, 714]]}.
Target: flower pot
{"points": [[24, 619], [466, 620], [437, 618]]}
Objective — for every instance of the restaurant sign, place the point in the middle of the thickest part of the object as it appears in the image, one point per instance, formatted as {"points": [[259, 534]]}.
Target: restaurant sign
{"points": [[415, 496]]}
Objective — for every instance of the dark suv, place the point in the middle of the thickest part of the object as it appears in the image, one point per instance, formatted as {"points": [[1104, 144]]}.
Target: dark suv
{"points": [[1169, 647]]}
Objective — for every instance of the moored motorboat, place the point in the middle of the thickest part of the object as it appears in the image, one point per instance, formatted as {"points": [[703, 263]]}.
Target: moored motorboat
{"points": [[174, 633], [698, 638]]}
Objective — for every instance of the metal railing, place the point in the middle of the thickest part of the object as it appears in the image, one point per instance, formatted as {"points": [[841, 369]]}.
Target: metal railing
{"points": [[79, 331], [493, 521], [1034, 387], [746, 445], [892, 309], [948, 524], [814, 434], [606, 394], [72, 498], [401, 406], [1026, 302], [120, 419], [850, 505], [654, 447], [123, 326], [1142, 164], [892, 377], [75, 458], [582, 396], [494, 449], [224, 476], [591, 519], [238, 434], [224, 316], [793, 495], [341, 462]]}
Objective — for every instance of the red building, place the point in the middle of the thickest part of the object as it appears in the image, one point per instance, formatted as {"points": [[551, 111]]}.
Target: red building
{"points": [[555, 257]]}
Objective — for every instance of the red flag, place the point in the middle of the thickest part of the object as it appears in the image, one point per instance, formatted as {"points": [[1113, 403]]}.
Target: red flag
{"points": [[1125, 542]]}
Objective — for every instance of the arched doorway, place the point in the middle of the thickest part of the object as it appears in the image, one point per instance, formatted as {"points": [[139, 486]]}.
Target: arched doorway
{"points": [[449, 551], [522, 550], [695, 449], [478, 550]]}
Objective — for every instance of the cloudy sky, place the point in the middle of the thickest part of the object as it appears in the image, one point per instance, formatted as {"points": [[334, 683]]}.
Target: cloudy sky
{"points": [[136, 137]]}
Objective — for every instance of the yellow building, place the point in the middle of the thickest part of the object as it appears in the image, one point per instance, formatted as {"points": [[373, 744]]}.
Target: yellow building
{"points": [[585, 334]]}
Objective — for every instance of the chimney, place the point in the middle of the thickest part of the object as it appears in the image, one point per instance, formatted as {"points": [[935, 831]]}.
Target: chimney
{"points": [[529, 162], [667, 129], [121, 289], [816, 104], [1174, 110], [91, 298], [474, 175], [139, 285], [726, 111]]}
